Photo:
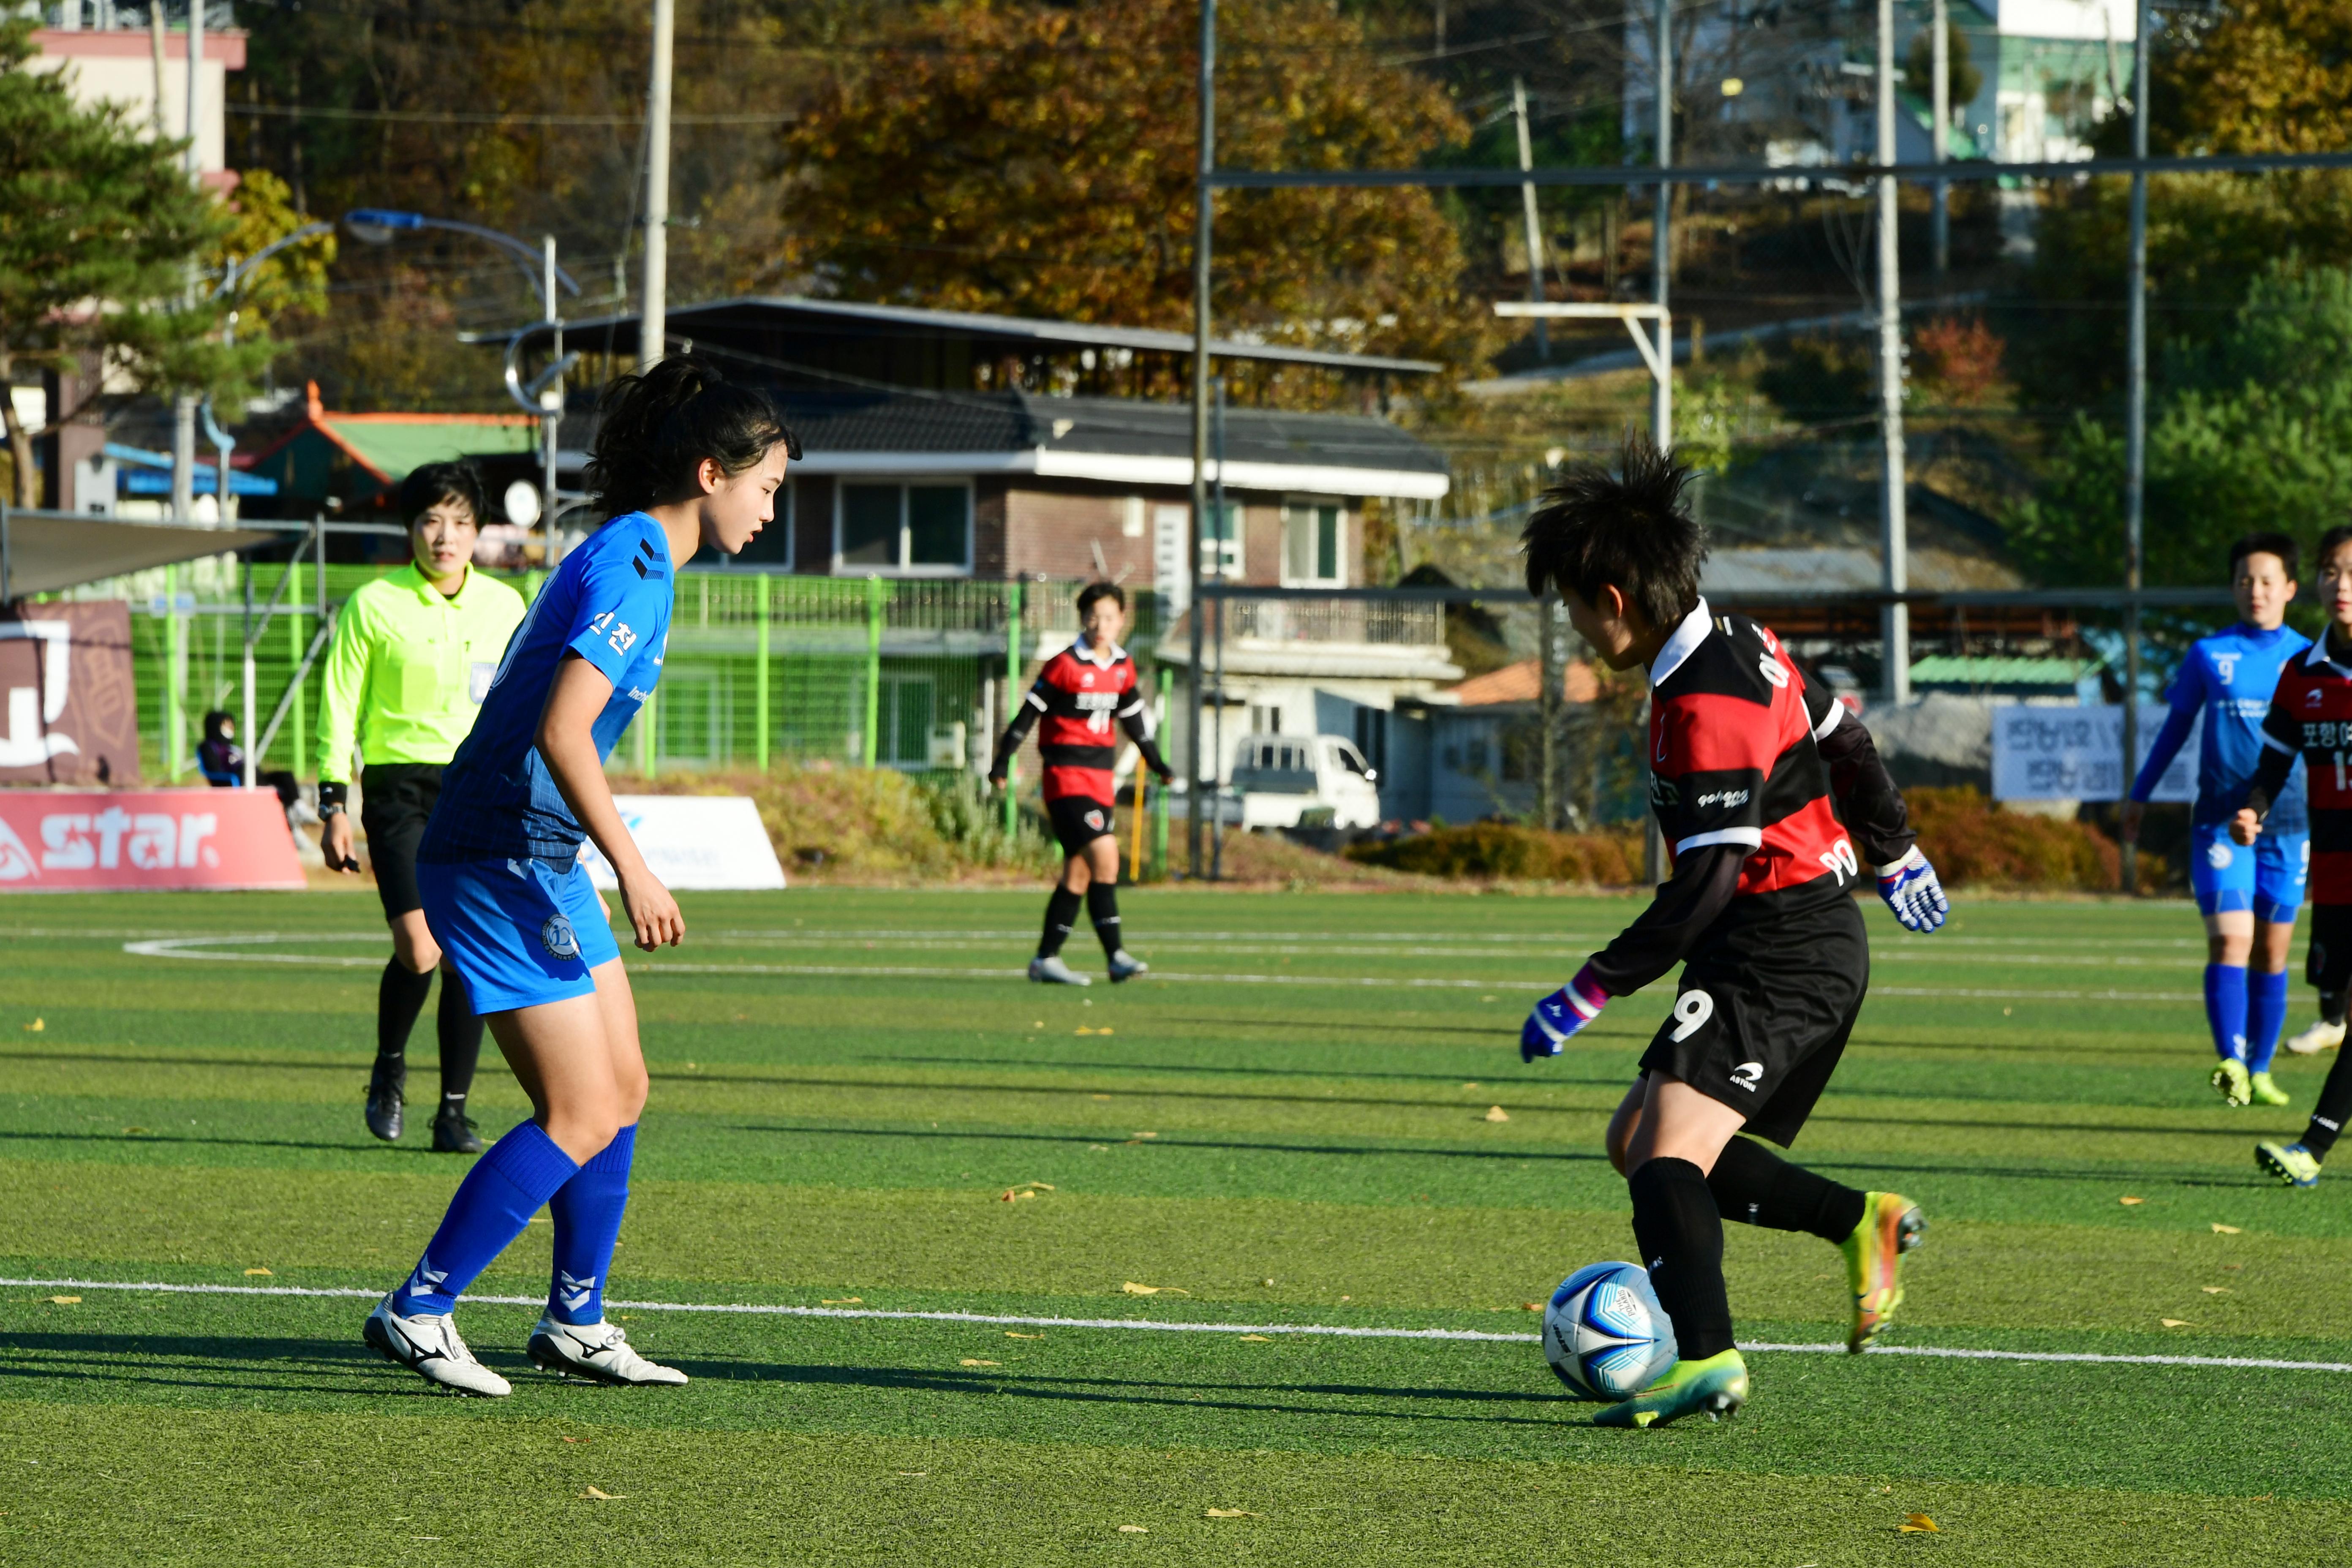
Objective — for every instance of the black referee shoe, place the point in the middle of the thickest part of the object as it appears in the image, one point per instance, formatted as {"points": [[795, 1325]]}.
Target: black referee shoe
{"points": [[385, 1087], [453, 1133]]}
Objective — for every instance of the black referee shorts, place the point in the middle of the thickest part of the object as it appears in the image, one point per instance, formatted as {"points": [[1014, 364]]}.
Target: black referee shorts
{"points": [[1078, 821], [395, 803], [2328, 965], [1765, 1003]]}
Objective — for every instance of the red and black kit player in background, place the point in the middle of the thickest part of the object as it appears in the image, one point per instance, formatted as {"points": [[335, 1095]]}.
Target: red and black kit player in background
{"points": [[1773, 798], [1080, 693], [2311, 718]]}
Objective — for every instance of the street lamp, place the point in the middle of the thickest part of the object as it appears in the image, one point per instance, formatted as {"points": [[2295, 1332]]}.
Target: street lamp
{"points": [[233, 277], [542, 396]]}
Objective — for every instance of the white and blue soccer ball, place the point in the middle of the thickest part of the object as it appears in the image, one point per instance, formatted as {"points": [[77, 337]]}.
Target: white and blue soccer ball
{"points": [[1605, 1334]]}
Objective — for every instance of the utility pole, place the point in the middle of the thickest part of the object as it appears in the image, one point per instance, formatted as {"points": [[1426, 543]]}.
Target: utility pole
{"points": [[2136, 426], [155, 46], [1895, 620], [1203, 213], [183, 403], [1549, 670], [550, 400], [1662, 245], [1535, 224], [1939, 136], [653, 325]]}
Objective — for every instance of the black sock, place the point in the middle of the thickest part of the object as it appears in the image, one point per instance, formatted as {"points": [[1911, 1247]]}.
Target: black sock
{"points": [[399, 997], [461, 1043], [1061, 914], [2334, 1105], [2332, 1006], [1102, 907], [1755, 1186], [1681, 1236]]}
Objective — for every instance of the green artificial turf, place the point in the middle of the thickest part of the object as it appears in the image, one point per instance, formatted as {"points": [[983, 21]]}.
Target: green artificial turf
{"points": [[1290, 1122]]}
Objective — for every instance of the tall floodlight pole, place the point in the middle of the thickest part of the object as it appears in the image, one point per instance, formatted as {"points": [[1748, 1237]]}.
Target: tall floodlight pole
{"points": [[1201, 214], [653, 323], [1939, 136], [2135, 424], [183, 403], [1662, 243], [551, 397], [1534, 223], [1895, 620]]}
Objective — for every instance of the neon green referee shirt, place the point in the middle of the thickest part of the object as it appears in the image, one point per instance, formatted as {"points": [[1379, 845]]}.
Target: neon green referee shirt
{"points": [[410, 667]]}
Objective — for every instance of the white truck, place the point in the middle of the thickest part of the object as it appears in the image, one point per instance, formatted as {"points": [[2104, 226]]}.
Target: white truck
{"points": [[1304, 781]]}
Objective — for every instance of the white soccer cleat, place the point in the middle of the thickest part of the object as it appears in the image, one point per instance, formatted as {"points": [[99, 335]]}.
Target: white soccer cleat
{"points": [[1125, 965], [429, 1345], [597, 1351], [2321, 1037], [1054, 971]]}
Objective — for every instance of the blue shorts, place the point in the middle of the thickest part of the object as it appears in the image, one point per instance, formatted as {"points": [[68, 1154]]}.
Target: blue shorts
{"points": [[520, 932], [2266, 878]]}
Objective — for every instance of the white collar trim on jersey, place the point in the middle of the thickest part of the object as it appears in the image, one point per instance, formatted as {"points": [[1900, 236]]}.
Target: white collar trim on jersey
{"points": [[1681, 646], [1101, 658]]}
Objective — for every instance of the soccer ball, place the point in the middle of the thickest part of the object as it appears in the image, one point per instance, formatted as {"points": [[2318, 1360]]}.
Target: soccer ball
{"points": [[1605, 1333]]}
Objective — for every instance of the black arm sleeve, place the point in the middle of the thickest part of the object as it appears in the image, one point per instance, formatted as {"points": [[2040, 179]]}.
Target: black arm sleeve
{"points": [[2269, 777], [1139, 730], [1703, 883], [1024, 719], [1867, 801]]}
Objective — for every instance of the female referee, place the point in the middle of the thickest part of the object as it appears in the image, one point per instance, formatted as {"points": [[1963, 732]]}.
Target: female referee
{"points": [[683, 458]]}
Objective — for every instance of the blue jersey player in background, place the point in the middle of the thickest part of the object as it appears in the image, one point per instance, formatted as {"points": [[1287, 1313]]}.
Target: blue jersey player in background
{"points": [[682, 459], [2249, 897]]}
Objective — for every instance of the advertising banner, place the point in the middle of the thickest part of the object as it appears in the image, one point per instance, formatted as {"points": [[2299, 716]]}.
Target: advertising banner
{"points": [[2078, 754], [57, 841], [705, 842], [66, 696]]}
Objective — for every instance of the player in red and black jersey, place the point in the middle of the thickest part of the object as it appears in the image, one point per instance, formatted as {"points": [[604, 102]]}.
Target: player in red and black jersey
{"points": [[1771, 797], [2311, 718], [1080, 694]]}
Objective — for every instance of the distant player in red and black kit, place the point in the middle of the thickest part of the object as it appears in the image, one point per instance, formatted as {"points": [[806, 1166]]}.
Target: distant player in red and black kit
{"points": [[1766, 787], [2311, 717], [1080, 693]]}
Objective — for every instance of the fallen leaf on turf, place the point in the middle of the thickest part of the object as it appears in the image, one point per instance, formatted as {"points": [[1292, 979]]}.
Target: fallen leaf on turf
{"points": [[914, 1472], [1011, 1335], [1531, 1306], [35, 1027], [975, 1361], [1011, 1194], [1496, 1113], [1133, 1530], [1130, 1288], [2215, 1290], [1257, 1339], [1039, 1025], [844, 1301], [1469, 1085], [1918, 1524], [580, 1439], [602, 1496], [1485, 998], [2176, 1323], [1146, 1135], [1099, 1097], [1234, 1514], [1082, 1029], [1097, 1148], [2129, 1203], [130, 1131], [2220, 1229], [64, 1300]]}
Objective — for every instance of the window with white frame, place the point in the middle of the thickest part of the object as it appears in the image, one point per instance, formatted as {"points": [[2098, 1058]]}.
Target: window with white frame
{"points": [[902, 527], [1220, 541], [1312, 534]]}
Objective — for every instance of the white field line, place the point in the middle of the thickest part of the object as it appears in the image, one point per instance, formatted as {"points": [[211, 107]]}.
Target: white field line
{"points": [[228, 948], [1154, 1325]]}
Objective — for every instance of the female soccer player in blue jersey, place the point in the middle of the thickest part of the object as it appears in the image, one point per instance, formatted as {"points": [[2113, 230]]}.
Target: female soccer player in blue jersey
{"points": [[683, 458], [2249, 897]]}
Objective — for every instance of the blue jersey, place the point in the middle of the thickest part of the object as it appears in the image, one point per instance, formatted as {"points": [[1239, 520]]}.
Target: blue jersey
{"points": [[2229, 676], [609, 602]]}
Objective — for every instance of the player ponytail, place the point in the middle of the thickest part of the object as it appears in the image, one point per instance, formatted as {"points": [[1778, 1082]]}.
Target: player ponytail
{"points": [[1630, 530], [659, 424]]}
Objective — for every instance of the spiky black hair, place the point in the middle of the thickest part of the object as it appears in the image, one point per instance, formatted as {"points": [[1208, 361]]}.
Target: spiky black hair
{"points": [[1630, 530]]}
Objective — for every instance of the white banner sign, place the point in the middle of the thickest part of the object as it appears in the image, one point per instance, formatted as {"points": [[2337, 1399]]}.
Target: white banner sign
{"points": [[702, 842], [2076, 753]]}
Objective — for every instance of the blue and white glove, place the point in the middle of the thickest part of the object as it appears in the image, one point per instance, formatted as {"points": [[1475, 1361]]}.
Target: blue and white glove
{"points": [[1911, 890], [1560, 1015]]}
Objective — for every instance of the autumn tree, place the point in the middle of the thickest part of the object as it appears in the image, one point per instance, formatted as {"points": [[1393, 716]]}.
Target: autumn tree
{"points": [[1034, 160]]}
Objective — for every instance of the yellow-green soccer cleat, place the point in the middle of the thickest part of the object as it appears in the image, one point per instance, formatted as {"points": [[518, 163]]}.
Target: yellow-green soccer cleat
{"points": [[2234, 1083], [1715, 1387], [1891, 1226], [2292, 1164], [2268, 1093]]}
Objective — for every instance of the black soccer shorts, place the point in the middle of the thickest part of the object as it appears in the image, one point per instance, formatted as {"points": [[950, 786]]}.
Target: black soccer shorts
{"points": [[1078, 821], [1765, 1003], [395, 803]]}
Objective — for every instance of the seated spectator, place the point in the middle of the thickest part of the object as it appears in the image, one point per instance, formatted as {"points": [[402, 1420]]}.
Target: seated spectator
{"points": [[222, 761]]}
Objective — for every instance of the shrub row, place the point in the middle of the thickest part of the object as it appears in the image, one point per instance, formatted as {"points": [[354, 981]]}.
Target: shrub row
{"points": [[1489, 850]]}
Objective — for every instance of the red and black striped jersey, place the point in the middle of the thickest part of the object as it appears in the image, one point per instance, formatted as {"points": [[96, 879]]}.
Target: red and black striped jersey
{"points": [[1079, 695], [1733, 759], [2311, 718]]}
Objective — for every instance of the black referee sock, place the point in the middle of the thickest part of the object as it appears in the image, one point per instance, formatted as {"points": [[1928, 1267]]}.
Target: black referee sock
{"points": [[2332, 1006], [1680, 1231], [1102, 907], [1755, 1186], [399, 997], [461, 1043], [1061, 914], [2334, 1105]]}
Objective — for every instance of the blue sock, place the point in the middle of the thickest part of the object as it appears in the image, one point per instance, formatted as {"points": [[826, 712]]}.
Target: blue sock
{"points": [[2225, 1008], [2265, 1017], [587, 1213], [495, 1201]]}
